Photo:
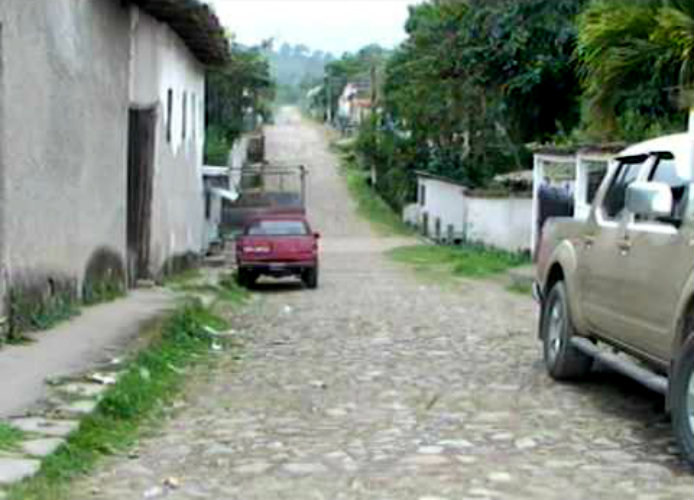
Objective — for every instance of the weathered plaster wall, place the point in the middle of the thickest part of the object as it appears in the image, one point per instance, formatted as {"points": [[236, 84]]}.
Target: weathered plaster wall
{"points": [[504, 223], [443, 201], [3, 258], [64, 98], [500, 222], [161, 62]]}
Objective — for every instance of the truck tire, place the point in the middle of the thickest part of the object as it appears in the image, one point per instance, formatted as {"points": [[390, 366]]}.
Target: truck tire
{"points": [[562, 360], [310, 278], [242, 277], [682, 400]]}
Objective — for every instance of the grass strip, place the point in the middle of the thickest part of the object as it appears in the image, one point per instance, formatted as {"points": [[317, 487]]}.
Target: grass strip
{"points": [[370, 205], [10, 437], [151, 381], [473, 261], [226, 290], [521, 288], [183, 278]]}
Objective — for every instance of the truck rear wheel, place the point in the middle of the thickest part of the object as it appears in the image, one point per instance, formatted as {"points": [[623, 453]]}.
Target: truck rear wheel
{"points": [[682, 400], [310, 278], [563, 361], [241, 277]]}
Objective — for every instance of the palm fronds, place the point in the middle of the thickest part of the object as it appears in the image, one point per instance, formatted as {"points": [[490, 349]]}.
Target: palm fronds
{"points": [[622, 42]]}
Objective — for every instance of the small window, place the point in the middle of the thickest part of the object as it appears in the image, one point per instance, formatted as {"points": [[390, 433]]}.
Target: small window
{"points": [[169, 112], [596, 174], [184, 108], [422, 195], [615, 199], [665, 171]]}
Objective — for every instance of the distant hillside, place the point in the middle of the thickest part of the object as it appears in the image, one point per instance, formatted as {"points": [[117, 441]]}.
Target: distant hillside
{"points": [[296, 68]]}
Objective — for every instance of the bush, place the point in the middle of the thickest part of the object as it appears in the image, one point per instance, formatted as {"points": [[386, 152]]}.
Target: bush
{"points": [[217, 146], [393, 159], [40, 302], [469, 260]]}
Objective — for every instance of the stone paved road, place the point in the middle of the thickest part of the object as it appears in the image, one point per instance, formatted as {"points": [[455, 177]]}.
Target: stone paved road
{"points": [[380, 386]]}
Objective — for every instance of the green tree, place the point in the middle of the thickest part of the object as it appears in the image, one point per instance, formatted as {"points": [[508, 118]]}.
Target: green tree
{"points": [[236, 95], [476, 80], [632, 54], [349, 67]]}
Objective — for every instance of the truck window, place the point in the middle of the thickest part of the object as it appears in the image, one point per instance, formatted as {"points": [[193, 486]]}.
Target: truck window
{"points": [[278, 228], [665, 171], [615, 199], [596, 174]]}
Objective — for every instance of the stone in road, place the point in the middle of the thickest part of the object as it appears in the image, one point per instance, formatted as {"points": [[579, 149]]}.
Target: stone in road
{"points": [[380, 386]]}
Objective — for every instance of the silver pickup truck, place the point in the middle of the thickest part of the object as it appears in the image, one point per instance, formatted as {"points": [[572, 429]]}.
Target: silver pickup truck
{"points": [[619, 286]]}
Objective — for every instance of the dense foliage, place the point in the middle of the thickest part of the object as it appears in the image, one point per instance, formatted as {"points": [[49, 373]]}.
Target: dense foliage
{"points": [[476, 81], [238, 94], [472, 84], [635, 58]]}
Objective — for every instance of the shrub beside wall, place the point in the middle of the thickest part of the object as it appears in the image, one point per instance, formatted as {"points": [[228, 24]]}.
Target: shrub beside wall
{"points": [[40, 301]]}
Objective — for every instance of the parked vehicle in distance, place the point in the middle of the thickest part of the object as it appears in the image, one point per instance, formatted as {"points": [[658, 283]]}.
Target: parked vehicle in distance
{"points": [[619, 286], [278, 246]]}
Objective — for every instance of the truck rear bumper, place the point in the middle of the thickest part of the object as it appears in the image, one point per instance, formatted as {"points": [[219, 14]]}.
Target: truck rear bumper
{"points": [[277, 269]]}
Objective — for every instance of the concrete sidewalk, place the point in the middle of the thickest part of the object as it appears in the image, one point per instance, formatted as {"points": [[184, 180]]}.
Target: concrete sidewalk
{"points": [[76, 346]]}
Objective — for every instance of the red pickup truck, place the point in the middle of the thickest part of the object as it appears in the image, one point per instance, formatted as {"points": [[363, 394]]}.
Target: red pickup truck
{"points": [[278, 246]]}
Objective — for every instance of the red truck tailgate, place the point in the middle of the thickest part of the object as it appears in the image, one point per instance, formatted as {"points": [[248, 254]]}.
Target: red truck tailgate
{"points": [[277, 248]]}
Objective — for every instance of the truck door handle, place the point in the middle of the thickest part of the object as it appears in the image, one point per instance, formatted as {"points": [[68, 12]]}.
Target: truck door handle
{"points": [[589, 241], [624, 246]]}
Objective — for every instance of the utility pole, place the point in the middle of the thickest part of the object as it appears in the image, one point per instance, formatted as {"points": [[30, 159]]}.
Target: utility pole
{"points": [[328, 100], [373, 116]]}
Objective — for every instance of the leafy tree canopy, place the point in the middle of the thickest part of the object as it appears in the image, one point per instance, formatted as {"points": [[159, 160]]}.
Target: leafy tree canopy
{"points": [[237, 94], [476, 80], [635, 56]]}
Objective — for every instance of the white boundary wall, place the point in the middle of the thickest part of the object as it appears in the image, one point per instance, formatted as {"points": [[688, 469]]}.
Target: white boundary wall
{"points": [[505, 223]]}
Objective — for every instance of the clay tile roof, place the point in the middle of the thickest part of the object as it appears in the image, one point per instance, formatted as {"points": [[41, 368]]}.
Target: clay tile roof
{"points": [[197, 25]]}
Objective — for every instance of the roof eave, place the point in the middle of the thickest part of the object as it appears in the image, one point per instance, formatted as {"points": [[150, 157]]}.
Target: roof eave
{"points": [[196, 24]]}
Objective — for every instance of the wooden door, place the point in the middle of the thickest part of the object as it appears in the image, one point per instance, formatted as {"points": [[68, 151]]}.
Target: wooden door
{"points": [[140, 179]]}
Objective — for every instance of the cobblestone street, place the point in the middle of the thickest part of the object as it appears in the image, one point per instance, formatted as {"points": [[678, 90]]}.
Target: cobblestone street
{"points": [[383, 386]]}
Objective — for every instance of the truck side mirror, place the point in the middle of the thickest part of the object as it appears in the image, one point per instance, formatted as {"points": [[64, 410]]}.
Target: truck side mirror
{"points": [[649, 199]]}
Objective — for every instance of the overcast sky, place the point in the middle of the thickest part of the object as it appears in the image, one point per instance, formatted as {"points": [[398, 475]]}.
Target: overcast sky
{"points": [[330, 25]]}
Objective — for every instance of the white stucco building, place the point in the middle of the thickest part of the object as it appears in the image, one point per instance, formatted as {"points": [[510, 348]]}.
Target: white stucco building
{"points": [[101, 142], [354, 104], [504, 223], [167, 87], [441, 207], [449, 212]]}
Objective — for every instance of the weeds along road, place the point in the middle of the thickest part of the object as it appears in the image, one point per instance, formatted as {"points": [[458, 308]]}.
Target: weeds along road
{"points": [[382, 386]]}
